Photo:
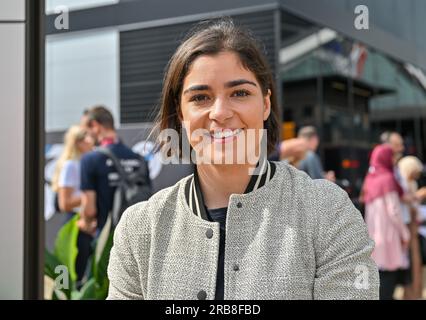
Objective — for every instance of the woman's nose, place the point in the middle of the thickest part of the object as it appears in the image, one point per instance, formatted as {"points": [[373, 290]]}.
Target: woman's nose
{"points": [[220, 111]]}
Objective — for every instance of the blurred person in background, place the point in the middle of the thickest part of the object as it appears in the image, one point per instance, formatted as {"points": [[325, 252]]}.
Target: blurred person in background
{"points": [[396, 142], [311, 163], [384, 137], [84, 124], [410, 169], [99, 175], [66, 178], [84, 119], [293, 151], [66, 184], [382, 197]]}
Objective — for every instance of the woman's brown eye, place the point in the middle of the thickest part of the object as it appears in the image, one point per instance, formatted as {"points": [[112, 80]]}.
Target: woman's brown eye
{"points": [[241, 93], [199, 98]]}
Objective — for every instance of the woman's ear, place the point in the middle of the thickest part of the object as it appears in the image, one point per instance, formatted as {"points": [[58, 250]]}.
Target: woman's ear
{"points": [[267, 105]]}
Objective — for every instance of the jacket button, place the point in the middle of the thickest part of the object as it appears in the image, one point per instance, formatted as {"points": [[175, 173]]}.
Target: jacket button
{"points": [[209, 233], [239, 205], [236, 267], [202, 295]]}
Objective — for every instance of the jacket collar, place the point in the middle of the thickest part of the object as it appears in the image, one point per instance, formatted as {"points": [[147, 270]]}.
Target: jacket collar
{"points": [[194, 196]]}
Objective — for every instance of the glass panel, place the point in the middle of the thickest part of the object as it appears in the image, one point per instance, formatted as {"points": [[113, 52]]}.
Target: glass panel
{"points": [[80, 72]]}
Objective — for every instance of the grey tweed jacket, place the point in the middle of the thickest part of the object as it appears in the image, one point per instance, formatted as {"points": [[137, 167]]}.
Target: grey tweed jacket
{"points": [[293, 238]]}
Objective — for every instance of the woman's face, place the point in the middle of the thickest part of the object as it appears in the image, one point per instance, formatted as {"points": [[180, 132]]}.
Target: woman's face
{"points": [[86, 144], [224, 100]]}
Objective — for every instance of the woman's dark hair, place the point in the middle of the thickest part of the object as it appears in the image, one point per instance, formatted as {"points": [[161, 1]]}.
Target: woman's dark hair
{"points": [[210, 38]]}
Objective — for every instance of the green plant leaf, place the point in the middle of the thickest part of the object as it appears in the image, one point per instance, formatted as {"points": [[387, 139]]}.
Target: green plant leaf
{"points": [[50, 264], [88, 291], [101, 242], [102, 266], [102, 291], [101, 257], [66, 246], [76, 295]]}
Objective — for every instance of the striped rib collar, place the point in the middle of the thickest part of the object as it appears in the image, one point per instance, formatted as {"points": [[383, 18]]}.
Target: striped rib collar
{"points": [[194, 196]]}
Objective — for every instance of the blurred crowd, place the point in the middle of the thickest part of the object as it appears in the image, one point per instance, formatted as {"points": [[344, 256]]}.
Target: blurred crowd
{"points": [[391, 198], [94, 164]]}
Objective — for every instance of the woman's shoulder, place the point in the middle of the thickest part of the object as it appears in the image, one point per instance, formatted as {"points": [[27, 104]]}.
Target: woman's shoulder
{"points": [[312, 192], [165, 200], [298, 178], [326, 205]]}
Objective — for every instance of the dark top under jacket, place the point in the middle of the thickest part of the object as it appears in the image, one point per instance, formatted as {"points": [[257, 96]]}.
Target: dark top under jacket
{"points": [[219, 215]]}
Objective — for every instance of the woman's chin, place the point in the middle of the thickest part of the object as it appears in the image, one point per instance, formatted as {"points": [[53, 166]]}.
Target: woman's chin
{"points": [[225, 157]]}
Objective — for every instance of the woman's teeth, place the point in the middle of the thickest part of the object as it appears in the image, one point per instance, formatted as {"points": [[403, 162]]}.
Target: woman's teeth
{"points": [[226, 133]]}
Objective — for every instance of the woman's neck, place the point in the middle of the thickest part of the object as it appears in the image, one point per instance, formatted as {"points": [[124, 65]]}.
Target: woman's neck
{"points": [[218, 182]]}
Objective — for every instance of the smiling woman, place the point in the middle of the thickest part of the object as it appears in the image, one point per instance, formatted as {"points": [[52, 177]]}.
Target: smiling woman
{"points": [[237, 230], [224, 99]]}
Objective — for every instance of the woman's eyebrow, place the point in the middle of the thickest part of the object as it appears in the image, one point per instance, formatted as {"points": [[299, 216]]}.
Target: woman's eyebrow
{"points": [[198, 87], [238, 82], [229, 84]]}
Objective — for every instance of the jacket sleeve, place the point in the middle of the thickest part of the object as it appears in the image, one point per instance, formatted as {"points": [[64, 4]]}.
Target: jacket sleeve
{"points": [[344, 267], [123, 270]]}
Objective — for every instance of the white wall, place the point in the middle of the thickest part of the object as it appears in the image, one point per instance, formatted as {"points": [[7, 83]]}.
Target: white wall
{"points": [[82, 70], [12, 111]]}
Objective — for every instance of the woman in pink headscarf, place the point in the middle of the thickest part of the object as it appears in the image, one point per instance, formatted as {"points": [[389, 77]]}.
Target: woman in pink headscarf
{"points": [[382, 196]]}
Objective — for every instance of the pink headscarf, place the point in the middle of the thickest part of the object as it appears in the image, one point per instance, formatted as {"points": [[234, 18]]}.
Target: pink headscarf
{"points": [[380, 178]]}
